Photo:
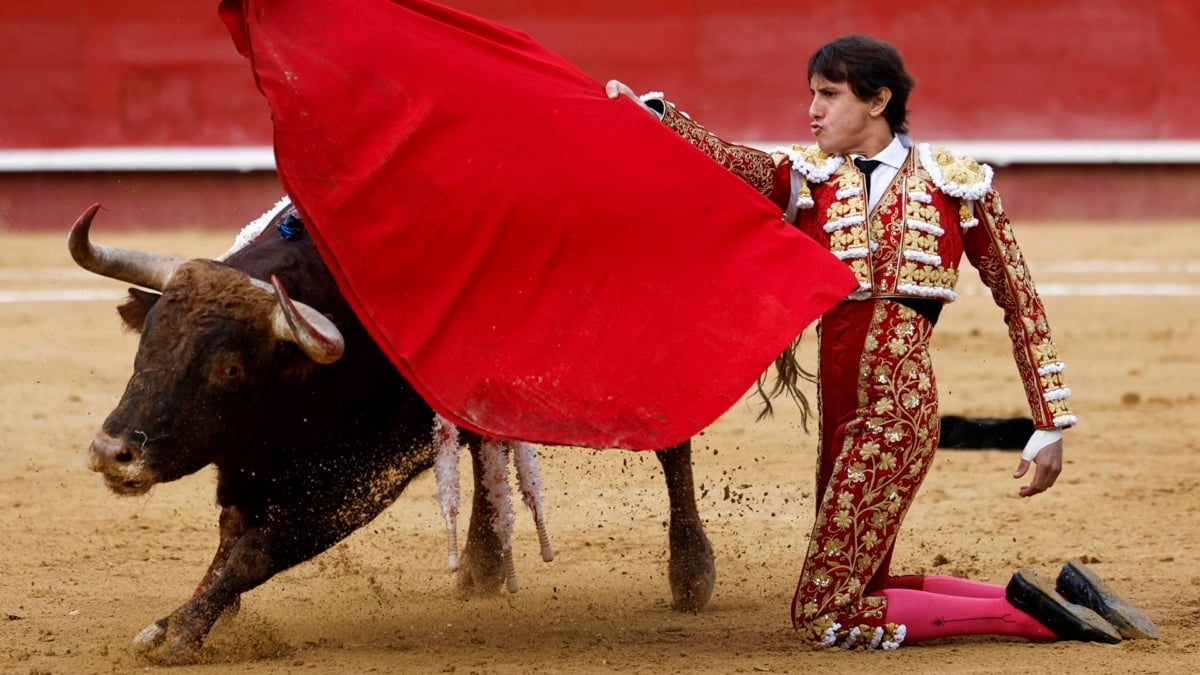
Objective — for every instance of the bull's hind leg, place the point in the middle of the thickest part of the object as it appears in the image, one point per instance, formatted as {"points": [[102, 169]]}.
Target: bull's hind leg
{"points": [[481, 567], [692, 570]]}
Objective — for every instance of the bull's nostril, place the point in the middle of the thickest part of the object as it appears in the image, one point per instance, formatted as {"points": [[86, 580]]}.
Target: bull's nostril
{"points": [[111, 453]]}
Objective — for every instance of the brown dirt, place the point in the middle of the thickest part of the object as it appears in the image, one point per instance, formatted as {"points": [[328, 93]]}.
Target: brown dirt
{"points": [[84, 571]]}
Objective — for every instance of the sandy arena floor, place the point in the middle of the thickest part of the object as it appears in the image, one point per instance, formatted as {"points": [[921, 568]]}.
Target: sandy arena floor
{"points": [[82, 571]]}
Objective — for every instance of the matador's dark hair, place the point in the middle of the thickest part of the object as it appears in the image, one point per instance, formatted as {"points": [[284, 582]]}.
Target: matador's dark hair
{"points": [[867, 64]]}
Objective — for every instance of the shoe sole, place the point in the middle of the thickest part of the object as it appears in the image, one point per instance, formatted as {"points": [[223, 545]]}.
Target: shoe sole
{"points": [[1079, 584], [1070, 621]]}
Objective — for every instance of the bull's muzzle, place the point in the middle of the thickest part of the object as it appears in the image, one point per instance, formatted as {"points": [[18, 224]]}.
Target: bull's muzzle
{"points": [[122, 463]]}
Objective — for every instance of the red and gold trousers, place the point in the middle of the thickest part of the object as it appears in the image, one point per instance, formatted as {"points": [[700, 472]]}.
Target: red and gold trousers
{"points": [[879, 429]]}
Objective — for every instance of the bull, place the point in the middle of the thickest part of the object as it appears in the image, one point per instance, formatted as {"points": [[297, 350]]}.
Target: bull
{"points": [[256, 364]]}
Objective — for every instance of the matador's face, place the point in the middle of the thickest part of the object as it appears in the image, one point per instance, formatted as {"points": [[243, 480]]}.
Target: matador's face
{"points": [[843, 123]]}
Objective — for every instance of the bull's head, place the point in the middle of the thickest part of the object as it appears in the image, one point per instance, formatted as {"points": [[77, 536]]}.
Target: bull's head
{"points": [[213, 342]]}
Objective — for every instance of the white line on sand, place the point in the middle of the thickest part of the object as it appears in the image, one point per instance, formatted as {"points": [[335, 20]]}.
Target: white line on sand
{"points": [[61, 295]]}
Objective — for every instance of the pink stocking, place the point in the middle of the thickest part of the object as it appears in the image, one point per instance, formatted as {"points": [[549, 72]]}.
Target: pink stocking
{"points": [[929, 616], [946, 585]]}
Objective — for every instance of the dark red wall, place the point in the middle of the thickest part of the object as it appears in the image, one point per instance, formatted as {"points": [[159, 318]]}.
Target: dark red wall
{"points": [[1018, 69], [149, 72], [102, 73], [123, 72]]}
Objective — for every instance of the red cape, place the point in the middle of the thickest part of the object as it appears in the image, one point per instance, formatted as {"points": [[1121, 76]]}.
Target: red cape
{"points": [[539, 261]]}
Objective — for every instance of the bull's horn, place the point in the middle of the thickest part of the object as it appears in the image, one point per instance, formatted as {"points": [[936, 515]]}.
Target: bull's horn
{"points": [[149, 270], [313, 331]]}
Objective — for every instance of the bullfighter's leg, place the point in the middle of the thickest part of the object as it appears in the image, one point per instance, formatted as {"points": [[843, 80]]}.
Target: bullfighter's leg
{"points": [[691, 571]]}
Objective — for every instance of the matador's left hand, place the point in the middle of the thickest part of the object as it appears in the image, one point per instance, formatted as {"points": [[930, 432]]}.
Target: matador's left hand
{"points": [[1048, 464]]}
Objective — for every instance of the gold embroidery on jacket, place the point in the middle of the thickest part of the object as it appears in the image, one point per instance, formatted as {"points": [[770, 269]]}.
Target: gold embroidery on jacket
{"points": [[845, 222], [993, 250], [899, 250], [754, 166]]}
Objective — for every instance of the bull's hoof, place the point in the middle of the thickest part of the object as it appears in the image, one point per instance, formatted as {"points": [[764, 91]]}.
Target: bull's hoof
{"points": [[151, 636], [692, 576], [156, 644]]}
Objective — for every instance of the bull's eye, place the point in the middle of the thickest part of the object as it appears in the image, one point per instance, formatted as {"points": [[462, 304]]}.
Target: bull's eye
{"points": [[229, 370]]}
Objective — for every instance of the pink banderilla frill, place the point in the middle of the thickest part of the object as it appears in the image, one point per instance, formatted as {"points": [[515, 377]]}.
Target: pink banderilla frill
{"points": [[445, 469], [494, 458]]}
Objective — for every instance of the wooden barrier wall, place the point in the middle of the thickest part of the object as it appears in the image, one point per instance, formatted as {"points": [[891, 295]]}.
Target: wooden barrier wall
{"points": [[147, 73]]}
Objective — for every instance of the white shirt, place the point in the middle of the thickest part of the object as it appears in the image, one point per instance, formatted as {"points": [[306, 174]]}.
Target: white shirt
{"points": [[890, 160]]}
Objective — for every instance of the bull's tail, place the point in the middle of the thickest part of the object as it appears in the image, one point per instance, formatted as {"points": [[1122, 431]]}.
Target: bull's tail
{"points": [[789, 376]]}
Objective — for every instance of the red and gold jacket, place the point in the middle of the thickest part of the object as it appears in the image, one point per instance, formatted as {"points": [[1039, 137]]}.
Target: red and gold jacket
{"points": [[937, 208]]}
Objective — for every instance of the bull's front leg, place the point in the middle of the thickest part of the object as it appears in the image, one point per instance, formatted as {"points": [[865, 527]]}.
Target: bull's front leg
{"points": [[691, 571], [240, 564], [293, 533], [232, 526]]}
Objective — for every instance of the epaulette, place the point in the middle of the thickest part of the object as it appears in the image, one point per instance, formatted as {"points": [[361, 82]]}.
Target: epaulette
{"points": [[960, 177], [812, 162]]}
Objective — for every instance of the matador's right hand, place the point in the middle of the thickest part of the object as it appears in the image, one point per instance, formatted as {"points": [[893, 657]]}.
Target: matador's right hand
{"points": [[1047, 460]]}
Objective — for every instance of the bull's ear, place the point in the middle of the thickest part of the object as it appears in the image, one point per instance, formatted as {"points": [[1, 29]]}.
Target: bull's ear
{"points": [[134, 310]]}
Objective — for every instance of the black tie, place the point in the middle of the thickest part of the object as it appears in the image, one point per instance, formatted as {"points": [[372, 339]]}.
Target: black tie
{"points": [[867, 166]]}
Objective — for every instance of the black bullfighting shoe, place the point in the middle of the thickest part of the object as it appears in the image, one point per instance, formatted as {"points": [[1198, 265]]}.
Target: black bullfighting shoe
{"points": [[1030, 594], [1081, 585]]}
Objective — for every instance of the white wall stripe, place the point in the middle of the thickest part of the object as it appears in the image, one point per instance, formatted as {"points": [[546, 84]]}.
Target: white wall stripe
{"points": [[262, 157], [243, 159]]}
